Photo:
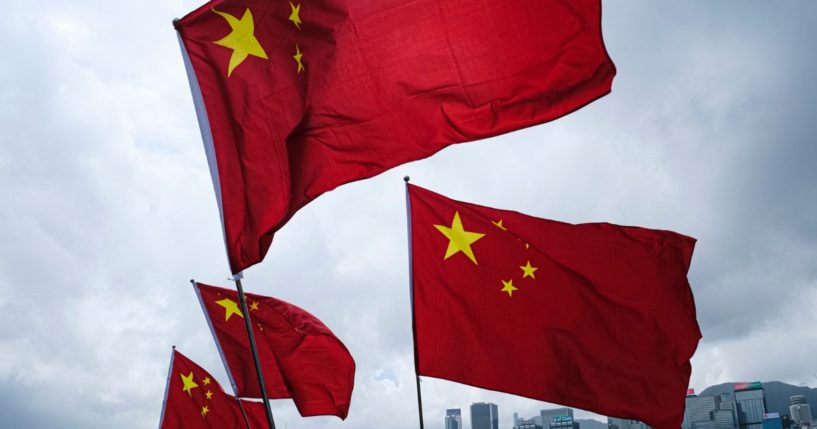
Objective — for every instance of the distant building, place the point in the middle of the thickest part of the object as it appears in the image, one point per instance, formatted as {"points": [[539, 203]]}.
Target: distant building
{"points": [[751, 405], [562, 422], [772, 421], [549, 414], [526, 424], [616, 423], [800, 411], [453, 418], [710, 412], [484, 416]]}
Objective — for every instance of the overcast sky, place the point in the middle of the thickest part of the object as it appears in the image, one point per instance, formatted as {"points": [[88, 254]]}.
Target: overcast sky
{"points": [[108, 210]]}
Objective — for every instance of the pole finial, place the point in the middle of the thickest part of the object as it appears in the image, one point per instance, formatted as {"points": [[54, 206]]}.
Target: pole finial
{"points": [[406, 179]]}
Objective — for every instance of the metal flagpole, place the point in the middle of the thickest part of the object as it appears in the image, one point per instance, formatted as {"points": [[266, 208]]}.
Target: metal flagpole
{"points": [[248, 324], [204, 125], [411, 297]]}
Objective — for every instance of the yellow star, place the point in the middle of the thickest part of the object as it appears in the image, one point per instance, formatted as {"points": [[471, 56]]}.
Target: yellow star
{"points": [[294, 16], [499, 225], [460, 240], [508, 287], [297, 56], [241, 40], [189, 384], [209, 394], [528, 270], [230, 308], [204, 410], [206, 381], [254, 306]]}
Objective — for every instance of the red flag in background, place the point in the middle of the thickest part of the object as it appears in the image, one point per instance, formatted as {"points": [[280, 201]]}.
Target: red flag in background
{"points": [[297, 98], [195, 400], [595, 316], [300, 357]]}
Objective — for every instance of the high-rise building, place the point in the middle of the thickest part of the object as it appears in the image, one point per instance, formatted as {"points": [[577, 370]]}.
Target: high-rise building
{"points": [[484, 416], [562, 422], [549, 414], [800, 411], [453, 418], [772, 421], [751, 401], [616, 423]]}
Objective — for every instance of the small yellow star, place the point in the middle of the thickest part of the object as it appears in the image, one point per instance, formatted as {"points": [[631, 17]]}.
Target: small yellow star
{"points": [[528, 270], [508, 287], [204, 410], [209, 394], [206, 381], [294, 16], [189, 384], [460, 240], [527, 246], [499, 225], [298, 55], [260, 328], [230, 308], [254, 306], [241, 39]]}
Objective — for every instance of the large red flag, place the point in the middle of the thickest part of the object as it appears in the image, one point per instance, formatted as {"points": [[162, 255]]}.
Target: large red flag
{"points": [[195, 400], [297, 98], [300, 357], [595, 316]]}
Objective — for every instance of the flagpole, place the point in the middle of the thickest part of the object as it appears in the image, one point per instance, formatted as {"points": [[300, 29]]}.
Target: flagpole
{"points": [[411, 298], [248, 324]]}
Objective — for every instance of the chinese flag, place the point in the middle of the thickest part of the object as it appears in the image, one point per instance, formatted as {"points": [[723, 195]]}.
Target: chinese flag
{"points": [[194, 400], [594, 316], [296, 98], [300, 357]]}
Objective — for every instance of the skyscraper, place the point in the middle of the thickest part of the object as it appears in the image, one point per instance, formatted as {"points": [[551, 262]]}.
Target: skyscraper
{"points": [[453, 418], [484, 416], [548, 415], [751, 402], [800, 411], [616, 423]]}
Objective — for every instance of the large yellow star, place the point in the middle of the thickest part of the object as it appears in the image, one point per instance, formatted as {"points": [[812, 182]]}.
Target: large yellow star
{"points": [[295, 15], [298, 55], [528, 270], [230, 308], [460, 240], [507, 286], [189, 384], [241, 40]]}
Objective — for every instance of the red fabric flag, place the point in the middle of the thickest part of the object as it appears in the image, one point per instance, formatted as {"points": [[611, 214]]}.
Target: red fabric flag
{"points": [[195, 400], [300, 357], [595, 316], [297, 98]]}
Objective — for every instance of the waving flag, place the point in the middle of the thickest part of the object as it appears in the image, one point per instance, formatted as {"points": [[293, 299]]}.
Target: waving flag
{"points": [[296, 98], [195, 400], [300, 357], [595, 316]]}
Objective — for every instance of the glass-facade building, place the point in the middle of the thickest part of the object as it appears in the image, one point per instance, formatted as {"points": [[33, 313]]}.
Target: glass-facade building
{"points": [[453, 418], [549, 414], [751, 402], [484, 416]]}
